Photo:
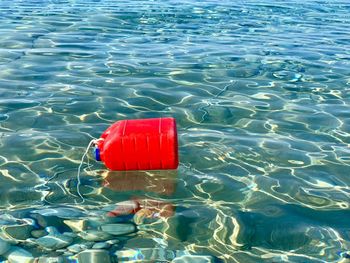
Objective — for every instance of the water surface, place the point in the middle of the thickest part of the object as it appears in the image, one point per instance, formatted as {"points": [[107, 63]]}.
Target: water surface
{"points": [[261, 94]]}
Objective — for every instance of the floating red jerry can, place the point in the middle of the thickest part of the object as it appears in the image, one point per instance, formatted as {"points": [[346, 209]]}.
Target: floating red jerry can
{"points": [[143, 144]]}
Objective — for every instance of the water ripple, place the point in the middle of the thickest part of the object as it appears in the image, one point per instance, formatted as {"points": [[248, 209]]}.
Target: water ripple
{"points": [[261, 95]]}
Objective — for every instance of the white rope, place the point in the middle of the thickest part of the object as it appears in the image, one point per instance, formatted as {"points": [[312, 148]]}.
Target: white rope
{"points": [[93, 141]]}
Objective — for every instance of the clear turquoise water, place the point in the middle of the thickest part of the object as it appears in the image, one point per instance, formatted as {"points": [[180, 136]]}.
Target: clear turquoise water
{"points": [[261, 94]]}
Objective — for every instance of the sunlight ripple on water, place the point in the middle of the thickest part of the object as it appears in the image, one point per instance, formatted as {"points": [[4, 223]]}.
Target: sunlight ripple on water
{"points": [[261, 94]]}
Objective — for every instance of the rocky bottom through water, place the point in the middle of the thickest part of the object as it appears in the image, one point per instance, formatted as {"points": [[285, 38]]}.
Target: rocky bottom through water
{"points": [[71, 234]]}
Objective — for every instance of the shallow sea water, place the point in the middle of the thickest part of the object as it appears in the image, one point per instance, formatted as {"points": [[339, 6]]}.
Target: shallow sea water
{"points": [[261, 94]]}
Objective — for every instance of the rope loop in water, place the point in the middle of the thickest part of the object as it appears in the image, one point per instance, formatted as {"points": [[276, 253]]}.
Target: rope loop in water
{"points": [[92, 142]]}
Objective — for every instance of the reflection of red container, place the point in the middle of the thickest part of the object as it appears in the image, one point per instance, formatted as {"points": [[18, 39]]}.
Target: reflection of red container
{"points": [[144, 144]]}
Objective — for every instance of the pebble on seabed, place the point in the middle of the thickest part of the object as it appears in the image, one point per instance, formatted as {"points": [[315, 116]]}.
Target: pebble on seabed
{"points": [[18, 255], [4, 247], [94, 256], [113, 241], [52, 260], [95, 235], [17, 232], [76, 225], [61, 212], [193, 259], [118, 229], [101, 245], [38, 233], [75, 248], [54, 240]]}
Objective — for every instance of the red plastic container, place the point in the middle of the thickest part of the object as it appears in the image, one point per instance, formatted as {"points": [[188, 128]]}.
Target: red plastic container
{"points": [[144, 144]]}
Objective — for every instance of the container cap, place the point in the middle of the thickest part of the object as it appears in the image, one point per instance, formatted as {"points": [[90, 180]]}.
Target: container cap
{"points": [[97, 154]]}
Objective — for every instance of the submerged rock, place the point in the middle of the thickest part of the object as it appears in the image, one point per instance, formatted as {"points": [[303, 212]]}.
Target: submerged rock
{"points": [[101, 245], [76, 225], [95, 235], [70, 234], [45, 221], [17, 232], [61, 212], [68, 254], [75, 248], [4, 247], [54, 240], [52, 260], [118, 229], [145, 254], [193, 259], [38, 233], [94, 256], [113, 241], [160, 255], [18, 255], [87, 245]]}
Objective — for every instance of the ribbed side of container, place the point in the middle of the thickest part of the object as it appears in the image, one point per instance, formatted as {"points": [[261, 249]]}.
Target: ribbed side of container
{"points": [[148, 144]]}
